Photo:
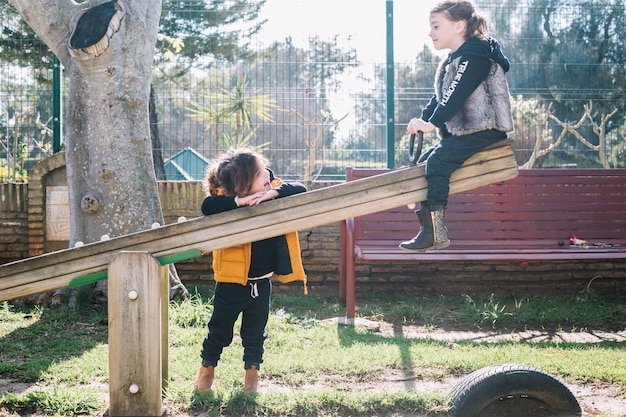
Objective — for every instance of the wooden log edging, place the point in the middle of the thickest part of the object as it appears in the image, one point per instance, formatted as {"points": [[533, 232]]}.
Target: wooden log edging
{"points": [[205, 234]]}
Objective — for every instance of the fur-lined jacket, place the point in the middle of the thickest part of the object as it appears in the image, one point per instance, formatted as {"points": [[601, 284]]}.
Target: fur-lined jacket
{"points": [[471, 91]]}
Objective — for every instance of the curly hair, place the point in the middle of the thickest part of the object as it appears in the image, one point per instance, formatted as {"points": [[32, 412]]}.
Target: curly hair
{"points": [[456, 10], [233, 172]]}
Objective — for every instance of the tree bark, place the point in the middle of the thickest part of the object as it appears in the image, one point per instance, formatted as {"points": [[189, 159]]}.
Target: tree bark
{"points": [[157, 146], [110, 172]]}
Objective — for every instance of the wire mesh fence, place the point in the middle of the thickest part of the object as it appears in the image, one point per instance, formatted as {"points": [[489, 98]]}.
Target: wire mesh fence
{"points": [[307, 83]]}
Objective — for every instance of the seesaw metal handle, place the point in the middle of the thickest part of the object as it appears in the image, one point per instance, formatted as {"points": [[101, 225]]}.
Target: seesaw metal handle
{"points": [[415, 152]]}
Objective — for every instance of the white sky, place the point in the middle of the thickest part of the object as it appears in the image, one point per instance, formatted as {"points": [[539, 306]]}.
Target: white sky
{"points": [[360, 24], [363, 22]]}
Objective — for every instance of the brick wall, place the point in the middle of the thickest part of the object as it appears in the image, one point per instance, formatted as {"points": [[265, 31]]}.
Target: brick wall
{"points": [[510, 278], [13, 222]]}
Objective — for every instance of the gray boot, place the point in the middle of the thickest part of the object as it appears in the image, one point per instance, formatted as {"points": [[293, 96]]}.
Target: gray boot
{"points": [[432, 235]]}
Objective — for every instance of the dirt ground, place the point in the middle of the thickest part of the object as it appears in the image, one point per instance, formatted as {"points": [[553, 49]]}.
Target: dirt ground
{"points": [[596, 400]]}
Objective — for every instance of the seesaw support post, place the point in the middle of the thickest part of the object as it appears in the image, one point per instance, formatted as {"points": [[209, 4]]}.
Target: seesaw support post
{"points": [[138, 330]]}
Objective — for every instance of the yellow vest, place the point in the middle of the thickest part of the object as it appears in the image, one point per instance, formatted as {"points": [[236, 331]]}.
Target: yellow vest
{"points": [[232, 264]]}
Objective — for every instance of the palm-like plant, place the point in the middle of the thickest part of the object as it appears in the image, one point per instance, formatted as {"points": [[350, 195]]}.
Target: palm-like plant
{"points": [[236, 108]]}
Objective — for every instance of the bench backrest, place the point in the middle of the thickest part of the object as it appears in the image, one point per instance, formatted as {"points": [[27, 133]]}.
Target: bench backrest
{"points": [[540, 207]]}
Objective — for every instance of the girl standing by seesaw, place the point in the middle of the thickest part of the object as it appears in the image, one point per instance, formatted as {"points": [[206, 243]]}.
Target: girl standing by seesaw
{"points": [[239, 178], [470, 109]]}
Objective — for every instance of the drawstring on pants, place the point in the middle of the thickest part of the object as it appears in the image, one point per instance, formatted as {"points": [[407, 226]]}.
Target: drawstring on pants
{"points": [[254, 290]]}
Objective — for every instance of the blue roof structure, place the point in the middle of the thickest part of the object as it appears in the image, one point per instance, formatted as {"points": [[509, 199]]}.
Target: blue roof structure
{"points": [[186, 165]]}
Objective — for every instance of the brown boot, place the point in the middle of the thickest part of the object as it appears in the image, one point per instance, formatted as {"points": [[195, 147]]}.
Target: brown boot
{"points": [[251, 383], [205, 378], [432, 235]]}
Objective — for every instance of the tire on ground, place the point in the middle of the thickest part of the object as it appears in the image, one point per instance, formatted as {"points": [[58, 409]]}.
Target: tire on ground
{"points": [[512, 390]]}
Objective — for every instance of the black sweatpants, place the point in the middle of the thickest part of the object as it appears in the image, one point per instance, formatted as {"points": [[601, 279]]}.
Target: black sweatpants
{"points": [[447, 156], [253, 302]]}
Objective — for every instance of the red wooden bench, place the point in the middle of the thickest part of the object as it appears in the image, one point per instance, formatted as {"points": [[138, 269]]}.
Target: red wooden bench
{"points": [[530, 218]]}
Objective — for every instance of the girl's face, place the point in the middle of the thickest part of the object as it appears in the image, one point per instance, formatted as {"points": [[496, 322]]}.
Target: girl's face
{"points": [[261, 181], [445, 33]]}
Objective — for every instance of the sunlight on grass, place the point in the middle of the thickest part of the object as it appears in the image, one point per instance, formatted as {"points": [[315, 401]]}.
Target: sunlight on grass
{"points": [[311, 364], [58, 401], [11, 319], [89, 367]]}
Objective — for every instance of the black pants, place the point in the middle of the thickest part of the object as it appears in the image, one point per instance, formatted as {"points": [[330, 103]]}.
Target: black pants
{"points": [[446, 157], [230, 300]]}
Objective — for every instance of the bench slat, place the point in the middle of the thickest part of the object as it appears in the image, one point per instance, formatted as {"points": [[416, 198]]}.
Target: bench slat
{"points": [[488, 256]]}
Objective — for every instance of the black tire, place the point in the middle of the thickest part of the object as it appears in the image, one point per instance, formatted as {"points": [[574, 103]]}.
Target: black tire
{"points": [[512, 391]]}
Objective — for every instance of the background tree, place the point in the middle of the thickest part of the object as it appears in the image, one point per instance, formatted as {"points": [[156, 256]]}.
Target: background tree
{"points": [[25, 112], [568, 53], [310, 76], [198, 32], [283, 79], [237, 107], [217, 29], [414, 84], [18, 42]]}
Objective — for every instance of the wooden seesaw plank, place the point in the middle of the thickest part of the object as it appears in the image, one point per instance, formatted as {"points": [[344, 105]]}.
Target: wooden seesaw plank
{"points": [[205, 234]]}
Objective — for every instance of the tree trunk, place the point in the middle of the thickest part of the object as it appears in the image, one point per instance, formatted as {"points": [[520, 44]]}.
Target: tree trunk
{"points": [[157, 147], [110, 172]]}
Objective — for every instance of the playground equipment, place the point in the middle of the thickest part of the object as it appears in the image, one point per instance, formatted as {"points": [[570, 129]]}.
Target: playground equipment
{"points": [[136, 264]]}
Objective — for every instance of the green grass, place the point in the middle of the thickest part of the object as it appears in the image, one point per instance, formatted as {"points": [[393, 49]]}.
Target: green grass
{"points": [[61, 354]]}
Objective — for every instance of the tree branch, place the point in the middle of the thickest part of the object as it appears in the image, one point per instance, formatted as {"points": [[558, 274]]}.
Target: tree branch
{"points": [[53, 25], [599, 130]]}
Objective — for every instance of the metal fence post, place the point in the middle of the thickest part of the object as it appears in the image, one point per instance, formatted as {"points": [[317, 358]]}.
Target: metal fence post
{"points": [[56, 105], [391, 109]]}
